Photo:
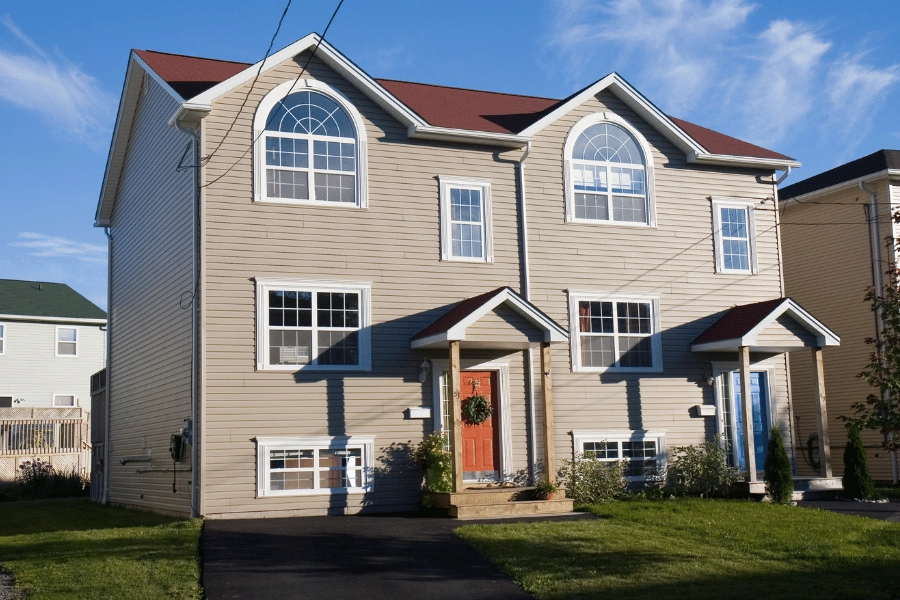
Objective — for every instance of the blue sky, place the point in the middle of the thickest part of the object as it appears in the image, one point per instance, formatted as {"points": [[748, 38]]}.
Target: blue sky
{"points": [[813, 79]]}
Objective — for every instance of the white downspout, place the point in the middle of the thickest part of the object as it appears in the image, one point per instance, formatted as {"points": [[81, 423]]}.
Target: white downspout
{"points": [[877, 276], [104, 497], [526, 293], [195, 441]]}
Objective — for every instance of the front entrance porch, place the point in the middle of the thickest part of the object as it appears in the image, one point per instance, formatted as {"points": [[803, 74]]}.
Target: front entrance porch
{"points": [[498, 322]]}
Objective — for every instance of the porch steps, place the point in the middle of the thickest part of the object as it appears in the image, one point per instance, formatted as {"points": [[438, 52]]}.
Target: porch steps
{"points": [[484, 502], [817, 488]]}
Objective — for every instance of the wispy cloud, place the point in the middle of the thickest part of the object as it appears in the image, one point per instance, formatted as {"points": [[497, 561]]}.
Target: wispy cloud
{"points": [[707, 56], [40, 245], [58, 90]]}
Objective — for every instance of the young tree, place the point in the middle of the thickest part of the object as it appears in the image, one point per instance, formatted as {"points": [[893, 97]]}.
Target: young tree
{"points": [[779, 481], [857, 483]]}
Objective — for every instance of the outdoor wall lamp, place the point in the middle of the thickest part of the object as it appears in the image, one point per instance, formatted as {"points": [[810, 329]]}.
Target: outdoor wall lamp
{"points": [[424, 369], [710, 380]]}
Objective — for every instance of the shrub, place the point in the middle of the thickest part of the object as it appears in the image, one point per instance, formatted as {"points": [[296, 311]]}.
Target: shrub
{"points": [[779, 481], [38, 479], [589, 481], [702, 470], [435, 462], [544, 488], [857, 482]]}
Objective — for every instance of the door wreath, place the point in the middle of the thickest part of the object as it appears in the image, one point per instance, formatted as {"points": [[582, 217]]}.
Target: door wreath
{"points": [[477, 409]]}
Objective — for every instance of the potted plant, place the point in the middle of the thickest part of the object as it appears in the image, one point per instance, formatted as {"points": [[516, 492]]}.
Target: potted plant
{"points": [[545, 489], [435, 462]]}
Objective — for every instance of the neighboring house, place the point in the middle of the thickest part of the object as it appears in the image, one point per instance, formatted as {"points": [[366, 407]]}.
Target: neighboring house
{"points": [[51, 340], [342, 262], [838, 242]]}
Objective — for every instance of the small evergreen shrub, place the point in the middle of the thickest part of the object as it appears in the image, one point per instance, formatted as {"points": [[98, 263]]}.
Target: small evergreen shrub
{"points": [[435, 462], [857, 482], [590, 481], [703, 470], [778, 477], [38, 479]]}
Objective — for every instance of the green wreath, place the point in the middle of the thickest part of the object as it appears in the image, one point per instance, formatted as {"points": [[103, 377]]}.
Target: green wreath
{"points": [[477, 410]]}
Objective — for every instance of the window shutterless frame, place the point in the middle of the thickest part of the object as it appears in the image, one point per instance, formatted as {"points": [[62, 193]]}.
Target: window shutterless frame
{"points": [[312, 467], [467, 226], [363, 331], [614, 331], [57, 397], [66, 339], [734, 225], [2, 339], [617, 439]]}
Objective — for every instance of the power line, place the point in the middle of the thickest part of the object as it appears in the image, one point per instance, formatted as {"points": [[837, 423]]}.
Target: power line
{"points": [[281, 101]]}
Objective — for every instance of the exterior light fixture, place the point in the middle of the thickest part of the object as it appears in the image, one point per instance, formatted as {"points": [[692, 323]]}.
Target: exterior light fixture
{"points": [[424, 369]]}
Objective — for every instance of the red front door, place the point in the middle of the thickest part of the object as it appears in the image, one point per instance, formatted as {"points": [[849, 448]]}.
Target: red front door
{"points": [[481, 443]]}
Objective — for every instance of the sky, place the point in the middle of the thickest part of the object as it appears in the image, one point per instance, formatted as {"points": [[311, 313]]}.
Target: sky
{"points": [[816, 80]]}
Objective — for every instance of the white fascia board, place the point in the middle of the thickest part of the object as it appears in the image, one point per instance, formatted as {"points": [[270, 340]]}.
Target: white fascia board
{"points": [[551, 330], [448, 134], [52, 319], [431, 340], [824, 336], [729, 160], [850, 183], [721, 346]]}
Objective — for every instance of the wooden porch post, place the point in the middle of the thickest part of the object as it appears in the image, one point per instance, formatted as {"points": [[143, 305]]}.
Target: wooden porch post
{"points": [[547, 397], [821, 412], [456, 418], [747, 414]]}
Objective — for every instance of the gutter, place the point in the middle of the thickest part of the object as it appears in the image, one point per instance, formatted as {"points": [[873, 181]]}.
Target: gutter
{"points": [[526, 294], [850, 183], [742, 161]]}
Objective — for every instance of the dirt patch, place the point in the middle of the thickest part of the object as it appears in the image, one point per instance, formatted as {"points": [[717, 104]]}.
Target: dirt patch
{"points": [[7, 587]]}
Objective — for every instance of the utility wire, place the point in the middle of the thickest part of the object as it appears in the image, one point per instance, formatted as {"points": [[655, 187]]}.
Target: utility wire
{"points": [[281, 101]]}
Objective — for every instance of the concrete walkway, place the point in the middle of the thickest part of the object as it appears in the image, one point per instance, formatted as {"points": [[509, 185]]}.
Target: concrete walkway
{"points": [[370, 557], [887, 512]]}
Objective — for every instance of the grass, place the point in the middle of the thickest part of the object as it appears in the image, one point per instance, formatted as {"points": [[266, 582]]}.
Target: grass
{"points": [[62, 549], [691, 548]]}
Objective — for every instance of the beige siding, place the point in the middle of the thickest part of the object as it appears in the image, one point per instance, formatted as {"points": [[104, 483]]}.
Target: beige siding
{"points": [[395, 245], [785, 332], [503, 325], [827, 270], [150, 319]]}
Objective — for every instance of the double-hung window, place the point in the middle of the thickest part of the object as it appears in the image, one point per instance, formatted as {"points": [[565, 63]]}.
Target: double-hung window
{"points": [[641, 452], [734, 236], [313, 325], [614, 333], [66, 341], [466, 219], [293, 466], [64, 400]]}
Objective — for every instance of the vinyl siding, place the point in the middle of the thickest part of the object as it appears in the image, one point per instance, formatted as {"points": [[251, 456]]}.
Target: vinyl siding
{"points": [[31, 372], [503, 325], [827, 269], [785, 332], [150, 319]]}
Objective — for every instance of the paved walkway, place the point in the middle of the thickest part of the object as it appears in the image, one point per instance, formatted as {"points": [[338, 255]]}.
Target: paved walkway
{"points": [[370, 558], [887, 512]]}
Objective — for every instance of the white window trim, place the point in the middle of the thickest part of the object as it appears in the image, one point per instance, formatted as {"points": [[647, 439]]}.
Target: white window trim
{"points": [[440, 365], [721, 369], [74, 398], [484, 186], [259, 147], [12, 397], [574, 336], [5, 328], [319, 442], [57, 341], [625, 435], [363, 288], [739, 203], [649, 171]]}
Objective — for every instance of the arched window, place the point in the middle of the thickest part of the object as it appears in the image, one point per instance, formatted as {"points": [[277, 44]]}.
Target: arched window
{"points": [[309, 149], [608, 175]]}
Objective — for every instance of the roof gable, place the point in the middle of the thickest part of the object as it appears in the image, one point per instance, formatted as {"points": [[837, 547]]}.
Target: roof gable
{"points": [[877, 162], [48, 300], [190, 76]]}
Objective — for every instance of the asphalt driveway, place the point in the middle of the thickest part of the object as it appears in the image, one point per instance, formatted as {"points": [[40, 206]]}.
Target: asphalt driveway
{"points": [[365, 557], [889, 511]]}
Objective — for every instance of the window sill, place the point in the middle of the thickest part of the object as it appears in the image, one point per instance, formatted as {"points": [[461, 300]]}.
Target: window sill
{"points": [[320, 492], [735, 272], [320, 203], [611, 223], [482, 261], [311, 368], [617, 370]]}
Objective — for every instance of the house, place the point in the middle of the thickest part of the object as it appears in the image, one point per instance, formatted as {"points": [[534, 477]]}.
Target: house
{"points": [[839, 240], [312, 269], [51, 340]]}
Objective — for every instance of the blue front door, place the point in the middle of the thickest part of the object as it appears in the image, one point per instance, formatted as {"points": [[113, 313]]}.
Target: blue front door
{"points": [[759, 395]]}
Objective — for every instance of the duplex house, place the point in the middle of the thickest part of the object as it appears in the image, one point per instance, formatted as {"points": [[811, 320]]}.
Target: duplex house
{"points": [[312, 269], [840, 239], [51, 340]]}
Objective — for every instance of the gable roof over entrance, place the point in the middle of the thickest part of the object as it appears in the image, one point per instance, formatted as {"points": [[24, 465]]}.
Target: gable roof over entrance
{"points": [[752, 325], [453, 324]]}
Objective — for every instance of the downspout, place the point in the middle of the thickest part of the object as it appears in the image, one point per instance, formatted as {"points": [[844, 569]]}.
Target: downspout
{"points": [[526, 293], [195, 441], [106, 442], [877, 277]]}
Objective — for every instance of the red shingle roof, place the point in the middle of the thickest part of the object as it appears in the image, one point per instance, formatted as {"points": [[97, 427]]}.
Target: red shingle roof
{"points": [[738, 321], [456, 314], [441, 106]]}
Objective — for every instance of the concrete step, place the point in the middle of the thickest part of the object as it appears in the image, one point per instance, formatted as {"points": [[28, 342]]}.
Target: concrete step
{"points": [[512, 509], [817, 488], [482, 495]]}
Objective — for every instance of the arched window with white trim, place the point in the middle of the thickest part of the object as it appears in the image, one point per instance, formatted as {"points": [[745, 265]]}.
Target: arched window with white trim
{"points": [[608, 174], [310, 148]]}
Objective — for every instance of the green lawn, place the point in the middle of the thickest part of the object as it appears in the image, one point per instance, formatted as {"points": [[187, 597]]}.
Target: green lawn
{"points": [[75, 548], [692, 548]]}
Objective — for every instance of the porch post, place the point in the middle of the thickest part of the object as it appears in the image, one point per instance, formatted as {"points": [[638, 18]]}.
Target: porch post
{"points": [[747, 414], [821, 411], [547, 398], [456, 418]]}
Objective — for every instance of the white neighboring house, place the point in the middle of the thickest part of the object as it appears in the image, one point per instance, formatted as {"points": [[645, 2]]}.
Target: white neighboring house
{"points": [[52, 339]]}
